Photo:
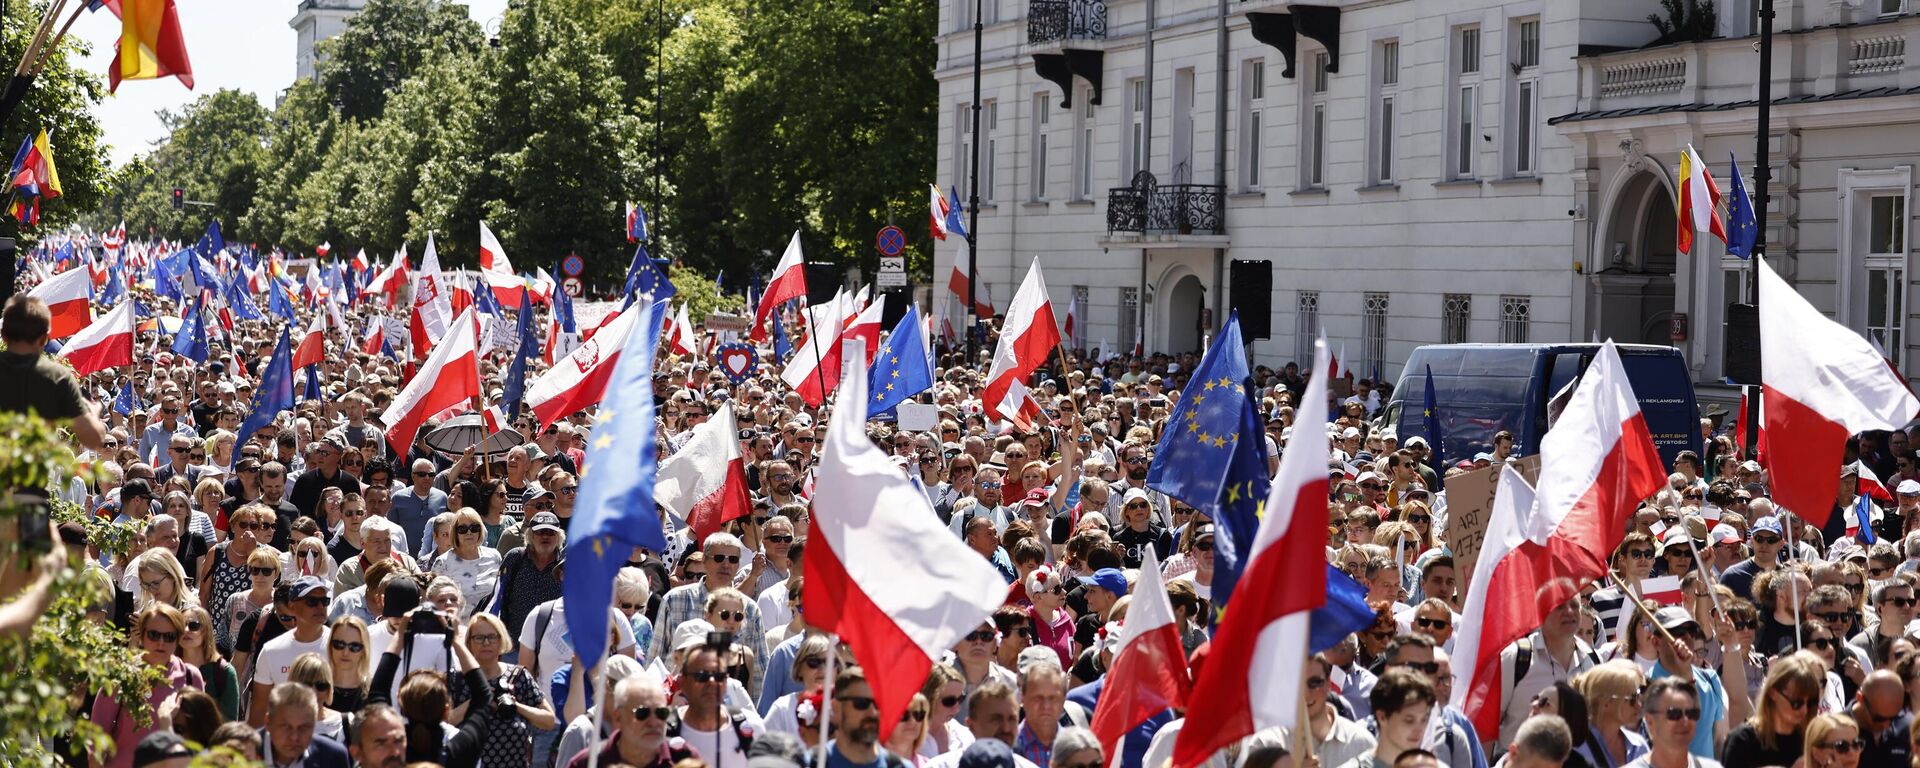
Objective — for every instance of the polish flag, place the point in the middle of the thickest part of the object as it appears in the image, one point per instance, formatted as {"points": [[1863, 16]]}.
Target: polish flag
{"points": [[323, 248], [957, 283], [1598, 462], [1823, 382], [1073, 314], [360, 262], [107, 343], [1870, 484], [496, 271], [541, 287], [375, 337], [579, 380], [705, 483], [680, 335], [890, 580], [1664, 590], [789, 281], [1027, 337], [449, 378], [814, 369], [1254, 674], [1699, 202], [937, 210], [431, 306], [866, 327], [1020, 408], [68, 296], [313, 346], [1149, 673], [1741, 425]]}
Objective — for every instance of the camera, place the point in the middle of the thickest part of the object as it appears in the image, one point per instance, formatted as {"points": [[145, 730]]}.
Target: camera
{"points": [[34, 518], [719, 639], [426, 621]]}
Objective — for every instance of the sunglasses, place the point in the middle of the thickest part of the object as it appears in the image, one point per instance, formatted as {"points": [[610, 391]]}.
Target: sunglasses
{"points": [[1418, 519], [1820, 643], [1745, 626], [1899, 602], [951, 701], [859, 703], [1315, 683], [989, 484], [1676, 714], [163, 637], [731, 615], [320, 687], [193, 625], [780, 539], [315, 601], [918, 716], [1833, 618], [1800, 704], [631, 607], [643, 714], [980, 636], [263, 571], [813, 662], [342, 645], [1371, 486], [1767, 540], [1640, 554], [724, 558], [1433, 623], [1430, 668], [545, 506], [1137, 460], [1203, 546], [1844, 746], [468, 528], [1856, 587], [706, 677]]}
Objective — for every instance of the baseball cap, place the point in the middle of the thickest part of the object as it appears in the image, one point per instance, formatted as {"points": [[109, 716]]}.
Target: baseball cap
{"points": [[1109, 579], [691, 634], [159, 747], [1749, 466], [1037, 497], [1724, 534], [987, 753], [1350, 432], [1416, 440], [1908, 488], [536, 490], [1769, 523], [1673, 617], [544, 520], [1367, 475], [1133, 495], [307, 585], [1034, 655]]}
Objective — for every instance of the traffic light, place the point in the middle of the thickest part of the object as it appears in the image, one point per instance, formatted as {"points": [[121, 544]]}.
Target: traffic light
{"points": [[179, 199]]}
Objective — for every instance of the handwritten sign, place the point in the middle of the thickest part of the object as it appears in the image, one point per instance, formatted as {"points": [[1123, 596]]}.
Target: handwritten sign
{"points": [[1469, 501]]}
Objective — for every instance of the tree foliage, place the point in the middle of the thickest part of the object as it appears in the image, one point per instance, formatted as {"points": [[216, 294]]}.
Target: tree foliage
{"points": [[1685, 21], [386, 44], [214, 153]]}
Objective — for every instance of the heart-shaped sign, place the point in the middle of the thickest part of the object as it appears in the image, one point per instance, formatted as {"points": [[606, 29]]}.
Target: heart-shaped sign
{"points": [[737, 361]]}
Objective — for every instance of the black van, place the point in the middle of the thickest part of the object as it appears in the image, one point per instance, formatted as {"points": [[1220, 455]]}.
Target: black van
{"points": [[1481, 389]]}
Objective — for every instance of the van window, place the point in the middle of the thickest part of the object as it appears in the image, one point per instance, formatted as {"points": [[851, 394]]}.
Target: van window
{"points": [[1561, 370]]}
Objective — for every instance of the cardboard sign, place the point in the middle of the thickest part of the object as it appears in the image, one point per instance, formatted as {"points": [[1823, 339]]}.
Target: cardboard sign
{"points": [[725, 321], [1469, 500], [917, 417]]}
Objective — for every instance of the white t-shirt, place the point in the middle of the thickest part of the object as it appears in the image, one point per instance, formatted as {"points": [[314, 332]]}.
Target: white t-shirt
{"points": [[1192, 578], [556, 648], [276, 657], [429, 652], [730, 754], [476, 577]]}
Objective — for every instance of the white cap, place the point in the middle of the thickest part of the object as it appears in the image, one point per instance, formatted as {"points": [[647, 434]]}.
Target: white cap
{"points": [[1907, 488], [1365, 476], [1350, 432]]}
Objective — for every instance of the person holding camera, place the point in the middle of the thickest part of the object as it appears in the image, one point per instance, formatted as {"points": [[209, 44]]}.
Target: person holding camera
{"points": [[520, 708], [718, 733], [425, 702]]}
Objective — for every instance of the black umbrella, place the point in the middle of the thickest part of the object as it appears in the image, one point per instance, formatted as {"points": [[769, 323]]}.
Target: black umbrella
{"points": [[468, 431]]}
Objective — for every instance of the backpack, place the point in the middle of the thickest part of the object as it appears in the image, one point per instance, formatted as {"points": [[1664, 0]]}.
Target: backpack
{"points": [[741, 730], [1523, 658]]}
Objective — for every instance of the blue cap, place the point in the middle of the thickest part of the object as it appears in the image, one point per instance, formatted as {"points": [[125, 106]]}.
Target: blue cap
{"points": [[1109, 579], [307, 585], [1769, 523], [987, 753]]}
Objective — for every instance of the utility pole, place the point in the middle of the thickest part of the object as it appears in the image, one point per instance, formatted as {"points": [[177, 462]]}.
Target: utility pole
{"points": [[1762, 173], [973, 196]]}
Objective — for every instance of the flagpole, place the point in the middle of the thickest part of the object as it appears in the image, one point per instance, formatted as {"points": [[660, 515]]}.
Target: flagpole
{"points": [[1761, 173], [826, 699], [1701, 567], [1641, 606], [973, 198], [1793, 585], [599, 714]]}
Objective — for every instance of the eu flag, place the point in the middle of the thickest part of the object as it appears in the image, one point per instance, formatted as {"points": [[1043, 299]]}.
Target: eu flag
{"points": [[563, 308], [900, 368], [1436, 441], [1345, 613], [127, 401], [615, 510], [782, 346], [1743, 230], [646, 281], [240, 301], [275, 393], [1214, 455], [312, 389], [211, 242], [191, 341], [528, 347]]}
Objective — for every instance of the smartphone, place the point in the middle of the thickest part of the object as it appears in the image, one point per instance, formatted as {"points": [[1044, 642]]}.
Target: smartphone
{"points": [[35, 523]]}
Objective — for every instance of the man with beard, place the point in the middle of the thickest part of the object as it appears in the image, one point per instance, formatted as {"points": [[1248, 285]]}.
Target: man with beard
{"points": [[1135, 462], [988, 491], [856, 717], [780, 485], [720, 734]]}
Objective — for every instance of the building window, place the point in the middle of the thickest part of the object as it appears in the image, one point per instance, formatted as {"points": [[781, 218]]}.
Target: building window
{"points": [[1180, 165], [1136, 142], [1253, 103], [1526, 97], [1129, 319], [1455, 315], [1313, 151], [963, 149], [1042, 118], [1306, 327], [1886, 261], [1892, 7], [1386, 83], [1464, 126], [1516, 312], [1083, 147], [962, 14], [990, 157], [1374, 333]]}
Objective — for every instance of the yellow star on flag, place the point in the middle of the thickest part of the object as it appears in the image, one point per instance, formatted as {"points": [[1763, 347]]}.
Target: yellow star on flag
{"points": [[603, 441], [605, 415]]}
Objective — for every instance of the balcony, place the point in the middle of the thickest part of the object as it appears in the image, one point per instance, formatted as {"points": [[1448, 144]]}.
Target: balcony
{"points": [[1147, 207], [1054, 21]]}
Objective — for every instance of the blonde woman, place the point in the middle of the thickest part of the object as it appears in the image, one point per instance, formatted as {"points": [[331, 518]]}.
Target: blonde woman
{"points": [[312, 671], [349, 657], [263, 572], [631, 593], [1789, 699], [470, 563], [308, 557], [156, 635], [1833, 741], [1612, 691], [160, 580], [524, 708], [911, 732], [220, 449], [945, 691], [197, 648]]}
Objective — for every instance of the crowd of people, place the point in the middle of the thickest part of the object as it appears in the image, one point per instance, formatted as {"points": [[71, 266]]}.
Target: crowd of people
{"points": [[315, 597]]}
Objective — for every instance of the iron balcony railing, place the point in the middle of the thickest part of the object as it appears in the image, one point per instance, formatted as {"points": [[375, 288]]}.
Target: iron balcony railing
{"points": [[1148, 207], [1051, 21]]}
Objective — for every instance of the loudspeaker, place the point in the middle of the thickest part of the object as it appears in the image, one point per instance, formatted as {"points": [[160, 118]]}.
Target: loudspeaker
{"points": [[1743, 343], [1251, 294], [7, 276], [897, 300], [822, 281]]}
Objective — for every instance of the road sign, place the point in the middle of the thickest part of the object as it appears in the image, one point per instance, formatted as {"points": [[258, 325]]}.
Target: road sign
{"points": [[893, 272], [890, 242], [572, 265], [571, 285]]}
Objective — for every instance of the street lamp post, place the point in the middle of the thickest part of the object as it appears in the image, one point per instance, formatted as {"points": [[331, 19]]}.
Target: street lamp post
{"points": [[973, 195]]}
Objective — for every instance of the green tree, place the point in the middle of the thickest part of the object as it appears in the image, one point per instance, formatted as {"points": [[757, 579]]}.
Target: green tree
{"points": [[384, 45], [1684, 21], [700, 293], [214, 153], [431, 122], [302, 131], [61, 100]]}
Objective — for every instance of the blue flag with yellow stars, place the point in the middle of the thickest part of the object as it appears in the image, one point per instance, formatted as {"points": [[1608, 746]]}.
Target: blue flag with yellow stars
{"points": [[275, 393], [614, 511], [646, 281], [1214, 455], [900, 368], [128, 401]]}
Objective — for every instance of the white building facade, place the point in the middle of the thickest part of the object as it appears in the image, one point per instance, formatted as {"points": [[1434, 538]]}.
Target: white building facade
{"points": [[315, 21], [1414, 171]]}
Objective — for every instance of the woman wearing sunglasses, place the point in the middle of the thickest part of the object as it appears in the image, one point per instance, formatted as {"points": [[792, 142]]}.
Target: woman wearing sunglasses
{"points": [[161, 580], [471, 563], [156, 633], [197, 648], [945, 691], [263, 571], [726, 610], [1789, 699], [351, 665], [1833, 741], [312, 671], [810, 670], [521, 708], [225, 570], [907, 737]]}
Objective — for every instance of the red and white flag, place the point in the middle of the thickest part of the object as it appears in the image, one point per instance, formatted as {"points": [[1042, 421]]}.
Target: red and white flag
{"points": [[359, 262], [579, 380], [866, 327], [957, 282], [1026, 338], [107, 343], [1822, 383], [1870, 484], [705, 482], [496, 271], [323, 248], [313, 346], [890, 579], [1597, 464], [789, 281], [1255, 671], [1149, 672], [680, 333], [541, 287], [374, 338], [937, 210], [449, 378], [1020, 408], [431, 304], [1664, 590], [1073, 316], [814, 369], [68, 296]]}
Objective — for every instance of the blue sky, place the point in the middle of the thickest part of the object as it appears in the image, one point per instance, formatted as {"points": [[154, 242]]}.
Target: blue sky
{"points": [[244, 44]]}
